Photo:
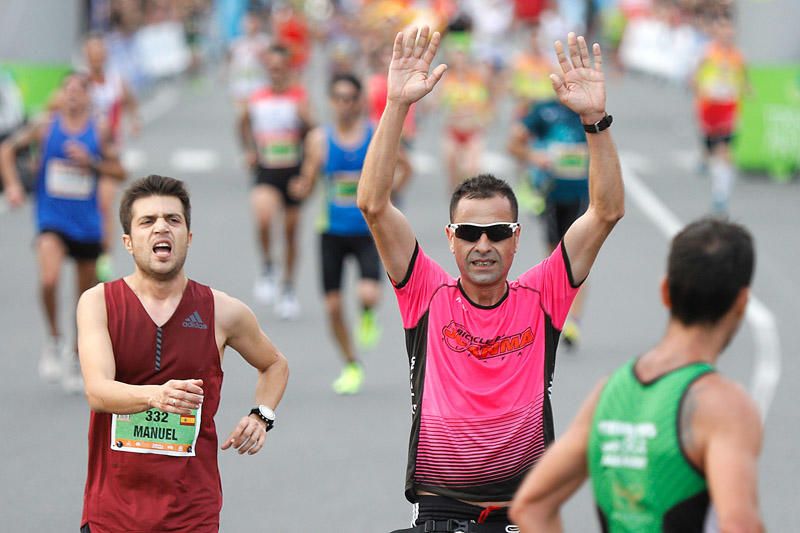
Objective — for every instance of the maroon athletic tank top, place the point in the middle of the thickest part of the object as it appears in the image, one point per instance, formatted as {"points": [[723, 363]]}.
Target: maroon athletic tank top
{"points": [[145, 492]]}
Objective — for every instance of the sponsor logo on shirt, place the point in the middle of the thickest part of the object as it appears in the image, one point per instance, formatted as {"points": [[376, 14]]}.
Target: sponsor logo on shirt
{"points": [[458, 339], [194, 321]]}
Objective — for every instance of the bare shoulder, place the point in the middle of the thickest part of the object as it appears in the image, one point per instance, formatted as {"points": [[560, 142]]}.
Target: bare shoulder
{"points": [[92, 302], [228, 311], [93, 296], [317, 135], [720, 403]]}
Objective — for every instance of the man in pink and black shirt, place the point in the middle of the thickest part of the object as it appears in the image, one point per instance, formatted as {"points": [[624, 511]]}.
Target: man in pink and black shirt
{"points": [[482, 348]]}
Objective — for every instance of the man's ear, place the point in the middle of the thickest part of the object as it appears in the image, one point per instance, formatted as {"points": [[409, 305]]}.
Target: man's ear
{"points": [[740, 304], [126, 242], [665, 299], [450, 239]]}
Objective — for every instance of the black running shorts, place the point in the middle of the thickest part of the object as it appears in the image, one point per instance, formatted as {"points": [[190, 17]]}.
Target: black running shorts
{"points": [[560, 216], [336, 248], [79, 251], [278, 178]]}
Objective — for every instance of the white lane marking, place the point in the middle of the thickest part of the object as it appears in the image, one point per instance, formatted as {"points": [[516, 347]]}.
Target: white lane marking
{"points": [[194, 160], [767, 364]]}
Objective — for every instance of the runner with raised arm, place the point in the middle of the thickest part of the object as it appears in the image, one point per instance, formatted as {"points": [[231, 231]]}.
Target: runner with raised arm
{"points": [[481, 348]]}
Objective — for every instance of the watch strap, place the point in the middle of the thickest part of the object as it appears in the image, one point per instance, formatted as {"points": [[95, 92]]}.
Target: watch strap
{"points": [[270, 423], [599, 126]]}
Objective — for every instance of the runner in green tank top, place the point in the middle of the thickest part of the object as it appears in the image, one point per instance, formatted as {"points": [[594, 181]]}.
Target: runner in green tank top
{"points": [[670, 444], [639, 473]]}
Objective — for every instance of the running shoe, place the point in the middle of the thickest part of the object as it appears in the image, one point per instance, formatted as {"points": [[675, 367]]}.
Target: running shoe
{"points": [[49, 362], [571, 332], [71, 379], [530, 200], [287, 307], [368, 331], [105, 268], [350, 380], [266, 288]]}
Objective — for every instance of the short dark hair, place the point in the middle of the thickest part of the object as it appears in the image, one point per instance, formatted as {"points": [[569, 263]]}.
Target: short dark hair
{"points": [[710, 262], [153, 185], [348, 78], [484, 186]]}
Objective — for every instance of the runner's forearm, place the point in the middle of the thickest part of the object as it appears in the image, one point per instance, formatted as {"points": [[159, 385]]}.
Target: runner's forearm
{"points": [[606, 190], [272, 383], [8, 169], [109, 396], [375, 185], [111, 168]]}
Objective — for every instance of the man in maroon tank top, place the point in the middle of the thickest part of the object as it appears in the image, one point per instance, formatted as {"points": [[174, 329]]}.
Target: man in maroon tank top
{"points": [[150, 347]]}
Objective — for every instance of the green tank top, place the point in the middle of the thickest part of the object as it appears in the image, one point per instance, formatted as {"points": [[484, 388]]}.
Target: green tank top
{"points": [[641, 478]]}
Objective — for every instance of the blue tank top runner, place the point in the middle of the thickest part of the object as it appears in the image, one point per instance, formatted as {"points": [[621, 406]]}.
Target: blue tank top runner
{"points": [[66, 194], [342, 172]]}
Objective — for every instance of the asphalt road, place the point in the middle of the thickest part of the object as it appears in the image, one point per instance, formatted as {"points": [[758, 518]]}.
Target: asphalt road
{"points": [[337, 464]]}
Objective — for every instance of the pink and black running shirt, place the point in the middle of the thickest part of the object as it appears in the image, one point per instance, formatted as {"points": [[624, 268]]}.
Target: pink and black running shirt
{"points": [[480, 377]]}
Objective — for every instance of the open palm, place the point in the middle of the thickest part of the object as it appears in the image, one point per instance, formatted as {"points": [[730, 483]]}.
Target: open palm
{"points": [[581, 85], [409, 76]]}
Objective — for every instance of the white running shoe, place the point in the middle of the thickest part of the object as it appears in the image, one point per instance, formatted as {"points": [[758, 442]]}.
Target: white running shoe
{"points": [[265, 289], [288, 308], [49, 361], [71, 379]]}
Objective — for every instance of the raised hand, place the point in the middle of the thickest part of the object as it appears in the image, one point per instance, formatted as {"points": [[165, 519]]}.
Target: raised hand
{"points": [[581, 86], [409, 76]]}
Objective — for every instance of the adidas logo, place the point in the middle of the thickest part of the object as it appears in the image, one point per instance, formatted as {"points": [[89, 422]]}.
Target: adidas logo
{"points": [[194, 321]]}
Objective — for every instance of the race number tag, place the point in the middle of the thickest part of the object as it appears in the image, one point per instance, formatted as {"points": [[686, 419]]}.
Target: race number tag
{"points": [[68, 181], [155, 431], [344, 188], [279, 151], [570, 160]]}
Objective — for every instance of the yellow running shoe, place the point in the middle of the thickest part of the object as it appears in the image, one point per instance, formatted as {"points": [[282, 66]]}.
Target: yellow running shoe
{"points": [[368, 331], [350, 380], [530, 200], [571, 332]]}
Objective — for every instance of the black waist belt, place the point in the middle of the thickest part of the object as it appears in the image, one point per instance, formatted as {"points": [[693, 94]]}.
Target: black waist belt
{"points": [[458, 526]]}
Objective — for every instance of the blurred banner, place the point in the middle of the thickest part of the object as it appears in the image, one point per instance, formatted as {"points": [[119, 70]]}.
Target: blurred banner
{"points": [[36, 82], [768, 133]]}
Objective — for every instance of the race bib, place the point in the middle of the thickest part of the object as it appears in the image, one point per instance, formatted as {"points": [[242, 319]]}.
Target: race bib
{"points": [[66, 180], [570, 160], [719, 82], [155, 431], [344, 188], [279, 151]]}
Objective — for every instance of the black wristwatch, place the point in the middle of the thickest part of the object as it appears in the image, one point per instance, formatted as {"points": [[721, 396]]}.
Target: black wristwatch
{"points": [[599, 126], [266, 414]]}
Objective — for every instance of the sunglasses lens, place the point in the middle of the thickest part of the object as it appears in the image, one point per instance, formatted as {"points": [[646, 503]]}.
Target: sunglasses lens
{"points": [[499, 232], [468, 232]]}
